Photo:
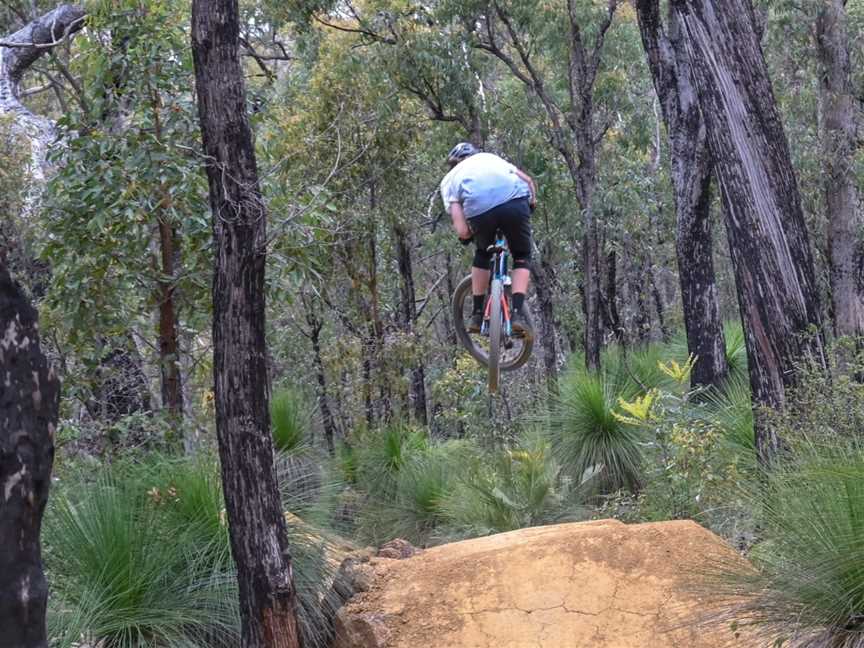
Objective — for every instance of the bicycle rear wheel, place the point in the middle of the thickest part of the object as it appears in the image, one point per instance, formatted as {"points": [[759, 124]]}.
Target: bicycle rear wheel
{"points": [[496, 319]]}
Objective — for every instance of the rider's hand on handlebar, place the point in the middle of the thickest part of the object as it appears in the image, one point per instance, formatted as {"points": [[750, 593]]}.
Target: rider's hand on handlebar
{"points": [[466, 241]]}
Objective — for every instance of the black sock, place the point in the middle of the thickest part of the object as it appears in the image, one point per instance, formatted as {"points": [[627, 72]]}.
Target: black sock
{"points": [[478, 303], [518, 301]]}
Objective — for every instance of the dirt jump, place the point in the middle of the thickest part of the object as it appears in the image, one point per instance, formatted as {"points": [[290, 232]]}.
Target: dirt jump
{"points": [[600, 584]]}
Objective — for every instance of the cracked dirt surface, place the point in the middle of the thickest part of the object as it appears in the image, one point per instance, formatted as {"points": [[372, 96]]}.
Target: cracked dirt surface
{"points": [[600, 584]]}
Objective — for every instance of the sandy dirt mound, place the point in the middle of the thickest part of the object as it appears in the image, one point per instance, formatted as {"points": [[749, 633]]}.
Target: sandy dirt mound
{"points": [[600, 584]]}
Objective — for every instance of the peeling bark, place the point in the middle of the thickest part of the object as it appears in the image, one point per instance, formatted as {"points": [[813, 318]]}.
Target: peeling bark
{"points": [[765, 224], [691, 177], [29, 398], [259, 542]]}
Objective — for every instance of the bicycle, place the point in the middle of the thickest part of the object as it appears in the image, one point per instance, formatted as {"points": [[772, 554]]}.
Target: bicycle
{"points": [[504, 350]]}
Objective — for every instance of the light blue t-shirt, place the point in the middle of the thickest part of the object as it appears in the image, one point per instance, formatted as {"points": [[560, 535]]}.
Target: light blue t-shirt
{"points": [[481, 182]]}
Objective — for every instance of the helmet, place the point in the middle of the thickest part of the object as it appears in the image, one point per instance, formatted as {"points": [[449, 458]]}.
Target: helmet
{"points": [[461, 151]]}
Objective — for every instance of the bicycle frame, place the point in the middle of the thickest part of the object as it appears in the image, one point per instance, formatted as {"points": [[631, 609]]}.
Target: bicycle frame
{"points": [[498, 268]]}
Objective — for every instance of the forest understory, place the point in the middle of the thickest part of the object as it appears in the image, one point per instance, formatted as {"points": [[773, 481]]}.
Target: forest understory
{"points": [[226, 273]]}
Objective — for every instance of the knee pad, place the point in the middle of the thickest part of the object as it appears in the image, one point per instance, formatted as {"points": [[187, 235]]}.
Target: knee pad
{"points": [[482, 259], [523, 262]]}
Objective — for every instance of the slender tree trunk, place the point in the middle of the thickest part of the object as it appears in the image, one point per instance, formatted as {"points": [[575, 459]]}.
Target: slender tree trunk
{"points": [[169, 348], [327, 421], [764, 220], [409, 319], [611, 316], [642, 318], [691, 177], [585, 176], [543, 279], [450, 288], [839, 141], [29, 397], [659, 303], [259, 542]]}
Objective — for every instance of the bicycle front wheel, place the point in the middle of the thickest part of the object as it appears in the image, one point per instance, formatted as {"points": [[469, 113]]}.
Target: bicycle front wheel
{"points": [[516, 351], [496, 319]]}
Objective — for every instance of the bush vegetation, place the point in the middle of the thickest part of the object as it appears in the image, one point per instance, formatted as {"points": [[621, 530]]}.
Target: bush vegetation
{"points": [[139, 554]]}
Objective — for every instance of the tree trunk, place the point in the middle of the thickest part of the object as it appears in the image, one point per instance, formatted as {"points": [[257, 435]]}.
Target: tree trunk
{"points": [[659, 303], [583, 174], [839, 140], [44, 32], [764, 220], [29, 398], [609, 306], [169, 349], [259, 542], [543, 278], [327, 422], [642, 316], [409, 320], [691, 177]]}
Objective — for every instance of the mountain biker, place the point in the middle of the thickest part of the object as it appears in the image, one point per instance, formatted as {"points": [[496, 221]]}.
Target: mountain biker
{"points": [[484, 193]]}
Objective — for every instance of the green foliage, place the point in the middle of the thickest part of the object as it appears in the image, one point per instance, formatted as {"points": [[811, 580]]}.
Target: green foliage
{"points": [[120, 575], [730, 408], [142, 557], [514, 489], [586, 437], [736, 351], [290, 421], [807, 589], [128, 165], [383, 454], [414, 508]]}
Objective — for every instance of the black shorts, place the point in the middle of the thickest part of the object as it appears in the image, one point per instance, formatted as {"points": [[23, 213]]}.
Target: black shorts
{"points": [[513, 218]]}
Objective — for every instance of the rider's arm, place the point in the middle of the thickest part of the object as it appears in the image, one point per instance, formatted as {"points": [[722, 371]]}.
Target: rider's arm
{"points": [[459, 222], [530, 181]]}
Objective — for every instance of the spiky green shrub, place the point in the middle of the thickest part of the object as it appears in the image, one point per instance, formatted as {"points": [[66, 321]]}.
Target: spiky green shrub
{"points": [[515, 489], [290, 421], [382, 454], [731, 410], [736, 351], [121, 577], [807, 588], [586, 437], [142, 558], [414, 508]]}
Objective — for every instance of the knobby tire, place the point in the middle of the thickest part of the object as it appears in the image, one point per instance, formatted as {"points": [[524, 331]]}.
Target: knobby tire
{"points": [[496, 319], [463, 292]]}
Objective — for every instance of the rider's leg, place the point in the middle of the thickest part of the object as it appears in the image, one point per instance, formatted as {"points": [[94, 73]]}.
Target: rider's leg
{"points": [[517, 227], [480, 279], [484, 233], [521, 278]]}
